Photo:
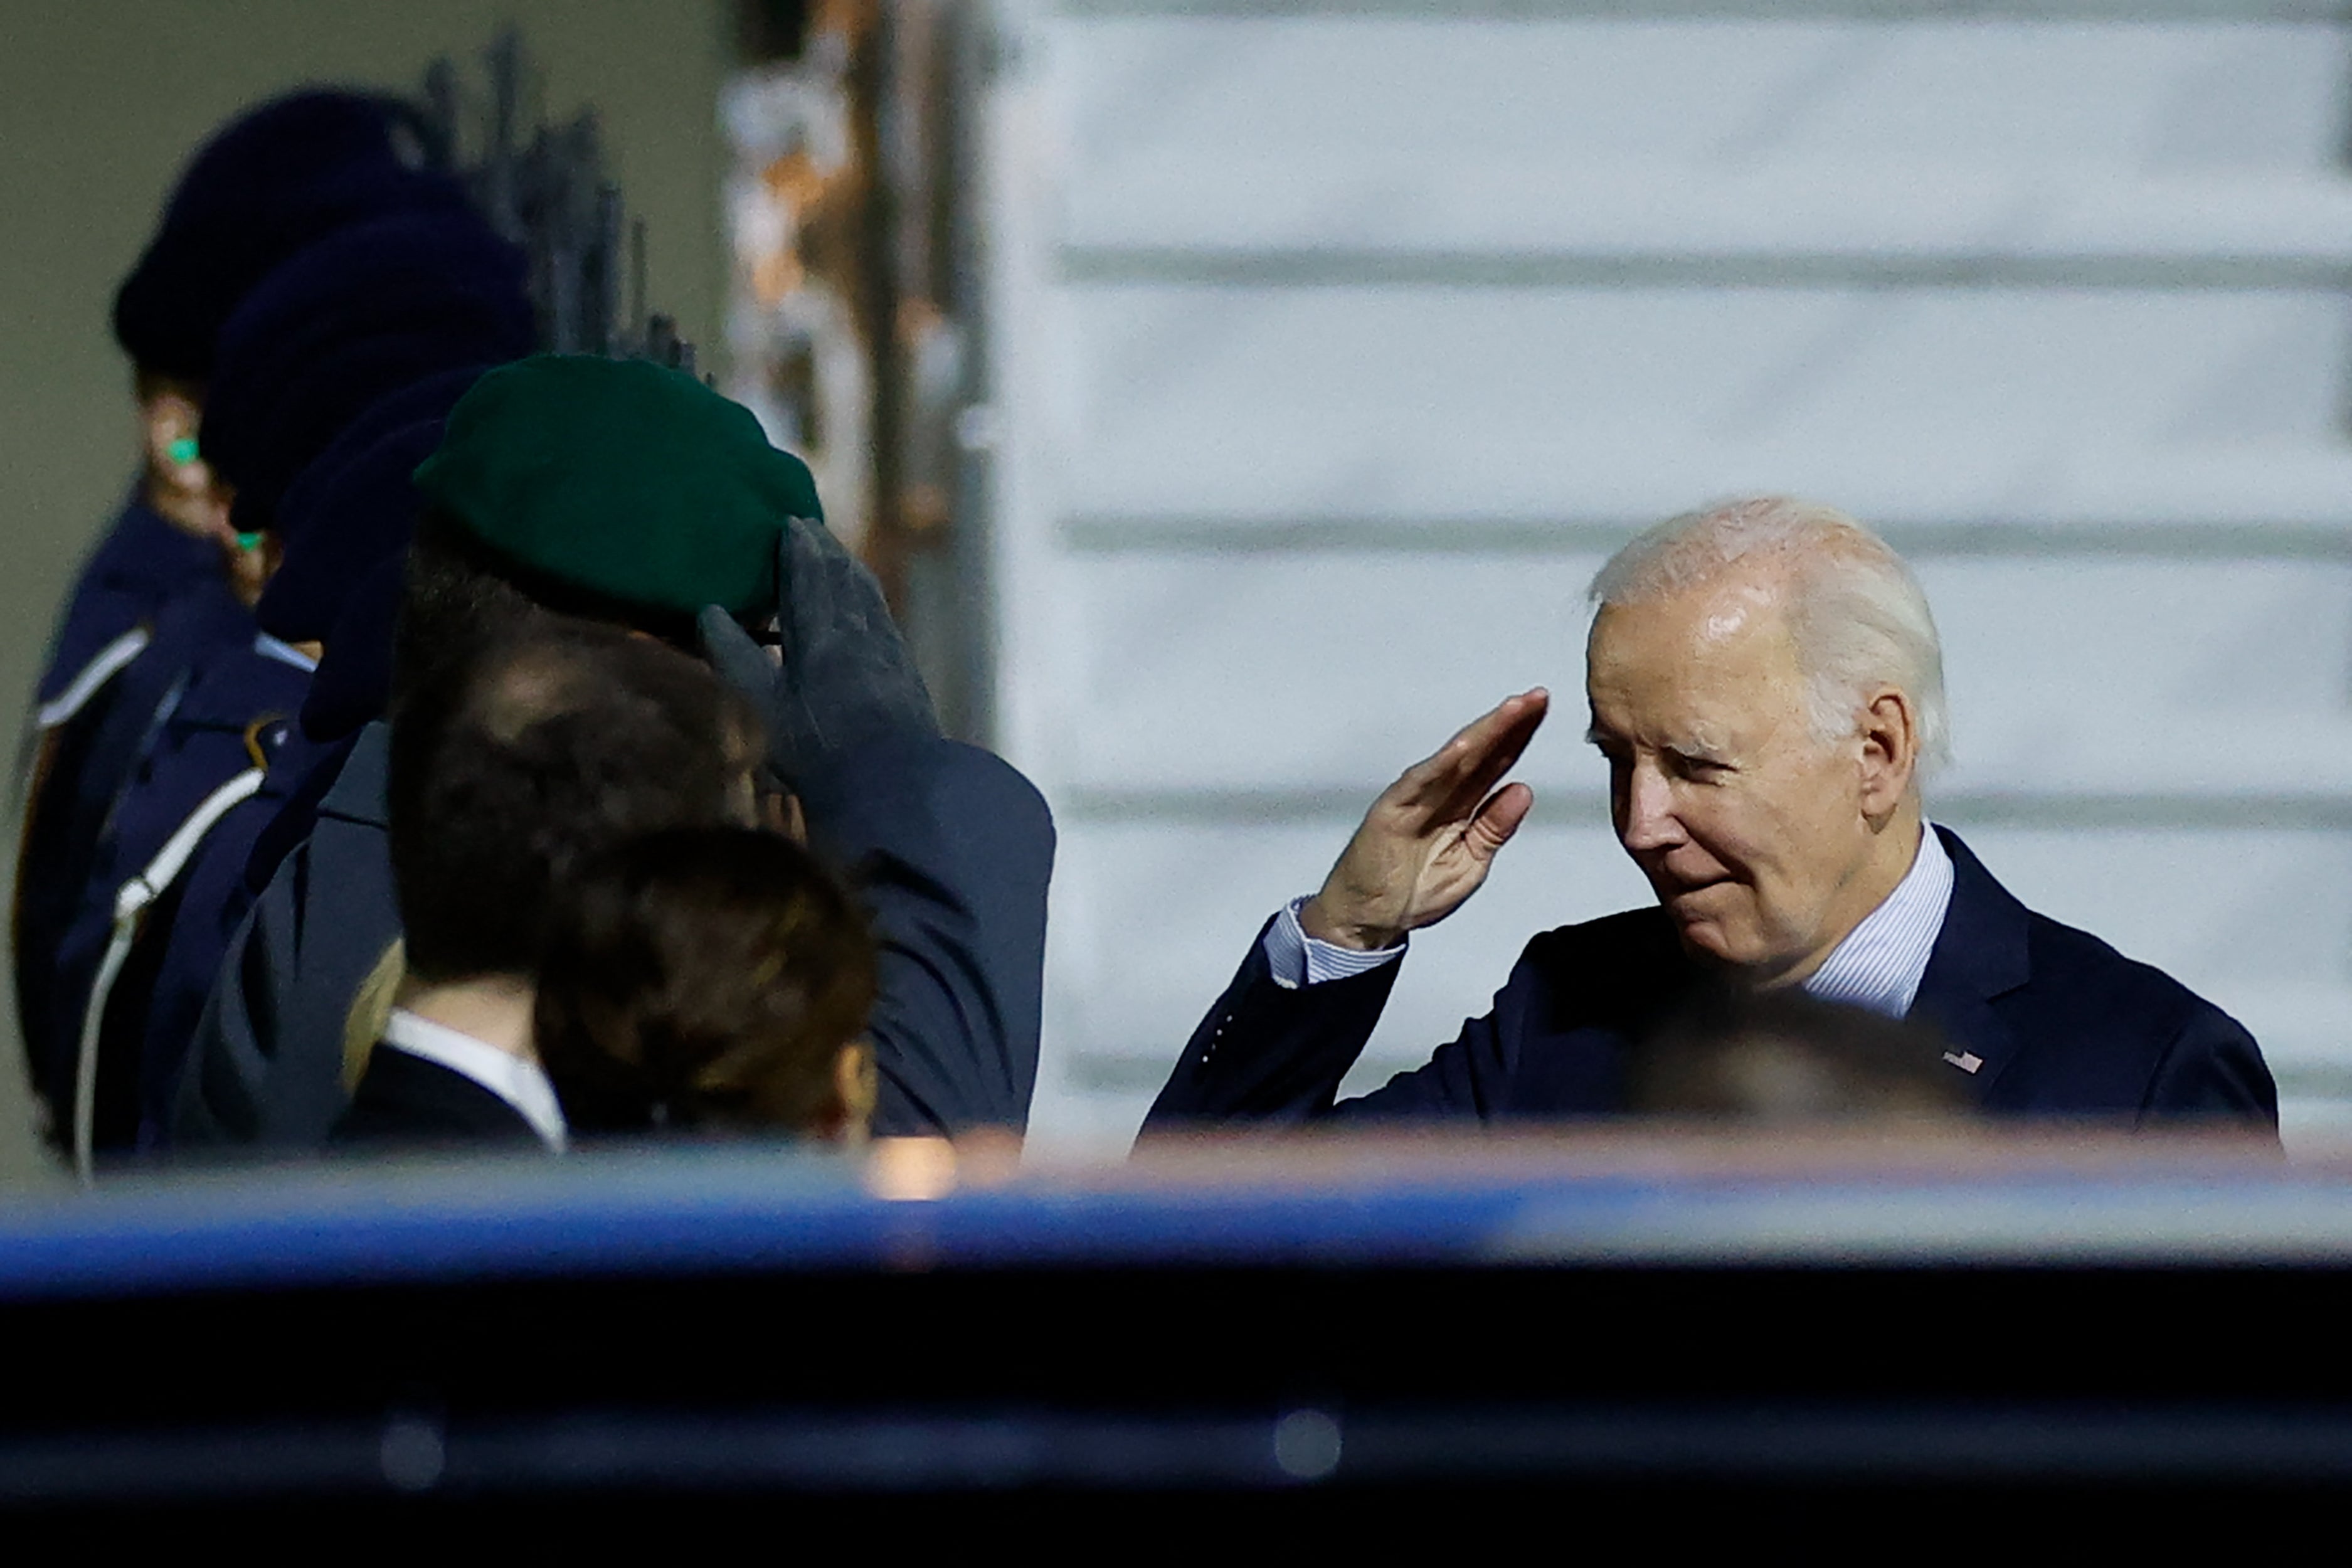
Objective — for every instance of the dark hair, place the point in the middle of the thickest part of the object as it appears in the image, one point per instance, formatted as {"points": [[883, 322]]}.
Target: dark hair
{"points": [[702, 977], [510, 766], [459, 592], [1780, 1057], [451, 605]]}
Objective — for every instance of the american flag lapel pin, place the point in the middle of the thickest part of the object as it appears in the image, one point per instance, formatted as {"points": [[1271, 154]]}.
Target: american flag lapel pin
{"points": [[1967, 1061]]}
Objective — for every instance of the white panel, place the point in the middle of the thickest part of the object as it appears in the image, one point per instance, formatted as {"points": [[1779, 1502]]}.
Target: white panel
{"points": [[2124, 96], [1305, 671], [1447, 404], [1435, 204], [2179, 675], [2315, 1125]]}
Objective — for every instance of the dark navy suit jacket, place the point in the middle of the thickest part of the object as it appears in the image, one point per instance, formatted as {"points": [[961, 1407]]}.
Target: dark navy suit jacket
{"points": [[405, 1101], [2061, 1023]]}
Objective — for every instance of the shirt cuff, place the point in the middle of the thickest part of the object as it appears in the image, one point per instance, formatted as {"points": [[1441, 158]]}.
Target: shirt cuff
{"points": [[1296, 959]]}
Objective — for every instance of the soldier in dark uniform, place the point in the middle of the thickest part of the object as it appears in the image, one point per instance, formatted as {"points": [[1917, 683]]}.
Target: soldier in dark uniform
{"points": [[262, 189], [346, 523], [631, 494], [359, 315]]}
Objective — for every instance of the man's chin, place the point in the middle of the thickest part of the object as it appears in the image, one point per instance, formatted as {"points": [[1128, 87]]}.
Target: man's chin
{"points": [[1704, 938]]}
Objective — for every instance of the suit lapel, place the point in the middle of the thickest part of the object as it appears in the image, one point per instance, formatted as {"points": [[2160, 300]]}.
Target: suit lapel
{"points": [[1979, 954]]}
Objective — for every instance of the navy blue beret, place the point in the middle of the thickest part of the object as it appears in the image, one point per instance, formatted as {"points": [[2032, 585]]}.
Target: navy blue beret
{"points": [[354, 506], [268, 185], [363, 313], [353, 683]]}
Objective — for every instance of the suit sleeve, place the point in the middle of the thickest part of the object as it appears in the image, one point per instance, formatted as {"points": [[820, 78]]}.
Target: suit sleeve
{"points": [[1272, 1052], [267, 1063], [229, 1062], [952, 850], [2213, 1072]]}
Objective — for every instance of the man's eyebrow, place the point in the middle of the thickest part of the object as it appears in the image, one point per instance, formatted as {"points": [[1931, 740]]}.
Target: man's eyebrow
{"points": [[1694, 750]]}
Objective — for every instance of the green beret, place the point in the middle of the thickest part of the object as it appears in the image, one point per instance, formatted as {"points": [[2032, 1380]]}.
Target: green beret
{"points": [[622, 477]]}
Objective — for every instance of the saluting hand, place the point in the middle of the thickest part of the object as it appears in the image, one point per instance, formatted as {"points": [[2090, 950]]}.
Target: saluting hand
{"points": [[1427, 843], [846, 677]]}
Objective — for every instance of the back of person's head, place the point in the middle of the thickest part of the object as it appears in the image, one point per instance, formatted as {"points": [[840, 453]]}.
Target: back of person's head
{"points": [[355, 318], [708, 978], [459, 594], [353, 505], [352, 688], [1785, 1059], [512, 766], [264, 186]]}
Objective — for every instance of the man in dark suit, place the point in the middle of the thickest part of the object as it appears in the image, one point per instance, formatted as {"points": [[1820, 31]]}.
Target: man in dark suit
{"points": [[509, 771], [1765, 681]]}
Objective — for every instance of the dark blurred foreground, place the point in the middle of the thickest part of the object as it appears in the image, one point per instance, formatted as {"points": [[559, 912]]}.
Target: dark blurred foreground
{"points": [[1388, 1340]]}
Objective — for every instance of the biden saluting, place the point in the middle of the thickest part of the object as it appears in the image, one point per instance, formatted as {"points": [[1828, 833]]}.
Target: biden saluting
{"points": [[1765, 681]]}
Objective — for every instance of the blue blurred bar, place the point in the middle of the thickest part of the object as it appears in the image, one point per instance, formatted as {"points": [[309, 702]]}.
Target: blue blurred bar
{"points": [[1350, 1330], [1602, 1199]]}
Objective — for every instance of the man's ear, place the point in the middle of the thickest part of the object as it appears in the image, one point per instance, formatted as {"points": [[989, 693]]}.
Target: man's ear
{"points": [[855, 1086], [1890, 753], [250, 563], [180, 482], [781, 812], [169, 418]]}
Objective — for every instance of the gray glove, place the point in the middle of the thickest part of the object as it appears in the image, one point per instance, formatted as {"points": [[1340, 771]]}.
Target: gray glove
{"points": [[846, 678]]}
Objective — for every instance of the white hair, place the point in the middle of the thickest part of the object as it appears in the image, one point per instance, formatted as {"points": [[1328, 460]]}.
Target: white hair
{"points": [[1855, 612]]}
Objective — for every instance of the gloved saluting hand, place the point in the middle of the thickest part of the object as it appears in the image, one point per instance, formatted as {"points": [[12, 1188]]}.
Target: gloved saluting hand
{"points": [[847, 677]]}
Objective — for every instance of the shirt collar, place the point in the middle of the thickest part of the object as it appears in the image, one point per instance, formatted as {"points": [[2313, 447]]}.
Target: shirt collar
{"points": [[1881, 962], [521, 1084]]}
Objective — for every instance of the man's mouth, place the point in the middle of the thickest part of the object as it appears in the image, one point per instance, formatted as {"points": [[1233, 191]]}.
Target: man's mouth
{"points": [[1677, 895]]}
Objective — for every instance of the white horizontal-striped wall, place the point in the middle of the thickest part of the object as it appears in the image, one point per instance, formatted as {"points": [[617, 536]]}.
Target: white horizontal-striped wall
{"points": [[1331, 350]]}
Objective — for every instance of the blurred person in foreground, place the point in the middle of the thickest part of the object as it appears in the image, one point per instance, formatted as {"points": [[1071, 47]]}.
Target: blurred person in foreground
{"points": [[1782, 1059], [509, 769], [1764, 680]]}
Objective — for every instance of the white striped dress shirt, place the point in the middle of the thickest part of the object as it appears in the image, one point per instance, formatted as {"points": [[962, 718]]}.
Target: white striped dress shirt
{"points": [[1878, 966]]}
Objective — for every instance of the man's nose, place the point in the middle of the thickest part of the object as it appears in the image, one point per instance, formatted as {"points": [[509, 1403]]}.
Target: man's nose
{"points": [[1647, 821]]}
